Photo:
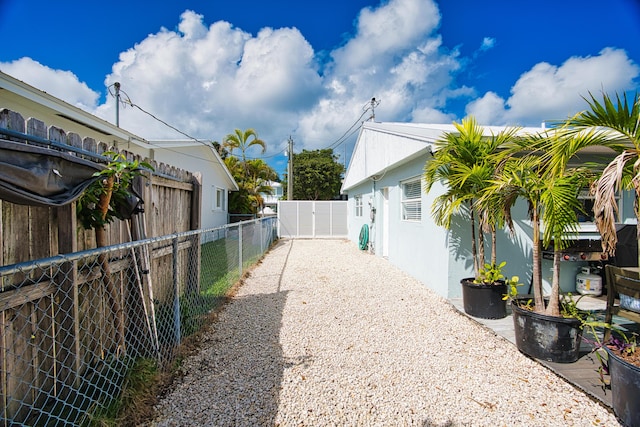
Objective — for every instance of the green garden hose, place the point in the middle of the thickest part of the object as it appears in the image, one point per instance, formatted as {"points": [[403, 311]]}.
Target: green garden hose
{"points": [[364, 236]]}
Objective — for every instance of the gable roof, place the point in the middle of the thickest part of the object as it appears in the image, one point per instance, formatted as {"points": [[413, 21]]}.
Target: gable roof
{"points": [[195, 145], [383, 146]]}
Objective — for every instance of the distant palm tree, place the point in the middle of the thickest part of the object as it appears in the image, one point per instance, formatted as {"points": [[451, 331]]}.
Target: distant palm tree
{"points": [[252, 178], [242, 140]]}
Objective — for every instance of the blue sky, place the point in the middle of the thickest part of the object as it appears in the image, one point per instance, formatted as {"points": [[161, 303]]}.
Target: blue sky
{"points": [[308, 69]]}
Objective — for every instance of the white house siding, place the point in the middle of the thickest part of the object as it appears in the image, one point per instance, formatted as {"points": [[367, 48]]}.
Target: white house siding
{"points": [[417, 247], [196, 157]]}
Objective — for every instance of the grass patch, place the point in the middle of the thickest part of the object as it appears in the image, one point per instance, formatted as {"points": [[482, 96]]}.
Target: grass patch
{"points": [[135, 403]]}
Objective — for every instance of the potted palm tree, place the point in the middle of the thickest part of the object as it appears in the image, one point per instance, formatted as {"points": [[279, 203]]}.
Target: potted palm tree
{"points": [[465, 161], [544, 328], [613, 123]]}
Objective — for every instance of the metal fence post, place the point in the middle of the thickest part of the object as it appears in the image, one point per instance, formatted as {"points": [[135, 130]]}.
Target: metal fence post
{"points": [[176, 295], [262, 236], [240, 250]]}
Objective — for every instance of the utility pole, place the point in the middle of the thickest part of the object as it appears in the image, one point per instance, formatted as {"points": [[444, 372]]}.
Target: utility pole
{"points": [[116, 85], [290, 171], [374, 104]]}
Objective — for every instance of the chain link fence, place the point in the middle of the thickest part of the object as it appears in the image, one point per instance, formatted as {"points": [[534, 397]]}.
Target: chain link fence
{"points": [[74, 325]]}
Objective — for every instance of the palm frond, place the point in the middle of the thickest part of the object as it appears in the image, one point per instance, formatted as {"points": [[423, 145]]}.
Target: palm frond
{"points": [[605, 207]]}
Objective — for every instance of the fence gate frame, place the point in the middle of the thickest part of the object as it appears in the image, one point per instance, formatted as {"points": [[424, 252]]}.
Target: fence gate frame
{"points": [[312, 219]]}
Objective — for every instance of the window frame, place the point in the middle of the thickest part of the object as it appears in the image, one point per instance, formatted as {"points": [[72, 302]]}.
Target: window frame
{"points": [[358, 205], [219, 199], [415, 201]]}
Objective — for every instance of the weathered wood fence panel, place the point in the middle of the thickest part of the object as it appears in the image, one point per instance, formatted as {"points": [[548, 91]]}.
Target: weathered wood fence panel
{"points": [[30, 232], [55, 324]]}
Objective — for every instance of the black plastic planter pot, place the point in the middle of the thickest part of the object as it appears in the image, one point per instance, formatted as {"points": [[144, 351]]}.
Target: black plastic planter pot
{"points": [[550, 338], [625, 389], [484, 301]]}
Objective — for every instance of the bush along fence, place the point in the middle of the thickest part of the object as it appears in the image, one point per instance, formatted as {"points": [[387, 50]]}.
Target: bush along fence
{"points": [[65, 350]]}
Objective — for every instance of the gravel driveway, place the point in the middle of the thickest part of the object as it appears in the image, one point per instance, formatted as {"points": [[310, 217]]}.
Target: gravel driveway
{"points": [[322, 334]]}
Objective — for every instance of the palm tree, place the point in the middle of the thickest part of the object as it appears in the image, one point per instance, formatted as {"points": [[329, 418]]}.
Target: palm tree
{"points": [[257, 180], [465, 162], [527, 172], [252, 178], [241, 140], [614, 124]]}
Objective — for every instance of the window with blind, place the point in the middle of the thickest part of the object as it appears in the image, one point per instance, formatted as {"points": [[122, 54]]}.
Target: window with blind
{"points": [[411, 200]]}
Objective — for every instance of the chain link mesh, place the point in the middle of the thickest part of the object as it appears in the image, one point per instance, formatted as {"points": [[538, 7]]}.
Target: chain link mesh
{"points": [[74, 325]]}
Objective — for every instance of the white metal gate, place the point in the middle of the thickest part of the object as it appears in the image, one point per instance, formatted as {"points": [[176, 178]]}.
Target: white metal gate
{"points": [[312, 218]]}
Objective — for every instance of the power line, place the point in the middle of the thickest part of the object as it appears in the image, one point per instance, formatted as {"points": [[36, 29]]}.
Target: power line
{"points": [[347, 134], [127, 101]]}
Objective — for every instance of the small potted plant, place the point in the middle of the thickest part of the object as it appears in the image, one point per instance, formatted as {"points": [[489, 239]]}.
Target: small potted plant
{"points": [[483, 296]]}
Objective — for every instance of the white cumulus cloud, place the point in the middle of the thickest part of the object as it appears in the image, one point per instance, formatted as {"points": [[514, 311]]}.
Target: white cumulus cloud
{"points": [[550, 92], [61, 84]]}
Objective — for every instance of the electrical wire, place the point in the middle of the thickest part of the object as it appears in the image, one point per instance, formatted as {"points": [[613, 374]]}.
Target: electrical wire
{"points": [[207, 144], [343, 138], [129, 102], [347, 134]]}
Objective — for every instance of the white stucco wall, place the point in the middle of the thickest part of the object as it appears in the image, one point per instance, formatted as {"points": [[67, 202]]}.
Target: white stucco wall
{"points": [[417, 247]]}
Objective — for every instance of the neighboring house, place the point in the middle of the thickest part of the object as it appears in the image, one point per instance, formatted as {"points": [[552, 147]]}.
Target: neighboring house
{"points": [[270, 201], [385, 186], [193, 156], [217, 181]]}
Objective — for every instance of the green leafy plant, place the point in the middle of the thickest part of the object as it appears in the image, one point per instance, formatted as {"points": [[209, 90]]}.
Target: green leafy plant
{"points": [[97, 207], [569, 308], [99, 203], [625, 346], [490, 274], [512, 288]]}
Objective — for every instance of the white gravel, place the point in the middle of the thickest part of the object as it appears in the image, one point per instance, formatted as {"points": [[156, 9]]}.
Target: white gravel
{"points": [[322, 334]]}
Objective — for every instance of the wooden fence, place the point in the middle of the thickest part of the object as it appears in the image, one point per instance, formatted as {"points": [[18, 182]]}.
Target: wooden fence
{"points": [[172, 199], [59, 322]]}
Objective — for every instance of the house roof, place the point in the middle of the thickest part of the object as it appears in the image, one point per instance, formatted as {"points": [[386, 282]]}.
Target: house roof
{"points": [[193, 144], [383, 146], [44, 106]]}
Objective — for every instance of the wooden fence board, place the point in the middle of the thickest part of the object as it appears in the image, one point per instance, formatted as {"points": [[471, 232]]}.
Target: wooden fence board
{"points": [[61, 322]]}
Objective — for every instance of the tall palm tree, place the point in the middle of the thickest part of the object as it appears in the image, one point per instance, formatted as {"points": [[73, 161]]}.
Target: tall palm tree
{"points": [[242, 140], [526, 172], [614, 124], [465, 162]]}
